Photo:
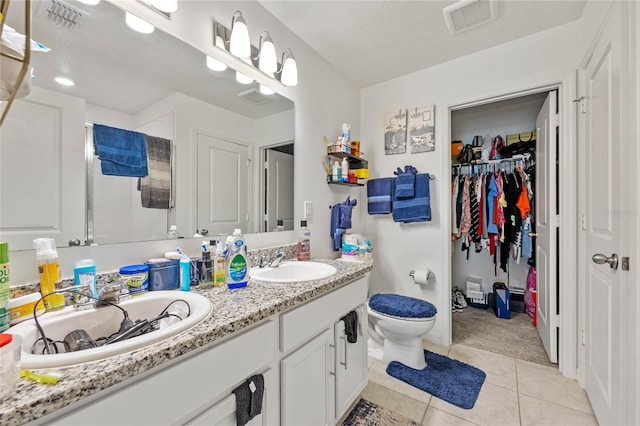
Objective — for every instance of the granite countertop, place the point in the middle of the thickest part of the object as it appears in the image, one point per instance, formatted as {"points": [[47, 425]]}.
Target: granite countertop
{"points": [[233, 310]]}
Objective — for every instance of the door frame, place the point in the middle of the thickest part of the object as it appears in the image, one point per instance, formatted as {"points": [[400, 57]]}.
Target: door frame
{"points": [[567, 176], [259, 217]]}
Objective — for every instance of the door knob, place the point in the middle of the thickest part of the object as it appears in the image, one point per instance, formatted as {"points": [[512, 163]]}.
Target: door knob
{"points": [[533, 234], [204, 231], [602, 259], [75, 242]]}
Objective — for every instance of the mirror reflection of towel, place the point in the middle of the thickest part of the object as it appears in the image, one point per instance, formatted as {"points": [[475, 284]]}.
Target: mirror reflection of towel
{"points": [[156, 187], [121, 152]]}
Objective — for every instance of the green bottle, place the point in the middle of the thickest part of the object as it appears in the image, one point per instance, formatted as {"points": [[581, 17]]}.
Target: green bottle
{"points": [[4, 286]]}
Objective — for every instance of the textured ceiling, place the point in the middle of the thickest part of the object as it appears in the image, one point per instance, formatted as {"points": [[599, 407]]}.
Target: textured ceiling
{"points": [[374, 41]]}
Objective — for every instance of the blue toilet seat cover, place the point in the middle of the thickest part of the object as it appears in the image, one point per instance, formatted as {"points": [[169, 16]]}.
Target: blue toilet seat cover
{"points": [[402, 306]]}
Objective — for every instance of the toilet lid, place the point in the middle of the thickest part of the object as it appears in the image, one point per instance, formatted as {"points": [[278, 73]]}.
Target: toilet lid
{"points": [[402, 306]]}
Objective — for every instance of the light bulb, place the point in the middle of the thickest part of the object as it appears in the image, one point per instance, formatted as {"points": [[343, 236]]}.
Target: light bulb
{"points": [[266, 91], [243, 79], [64, 81], [289, 76], [165, 5], [215, 65], [138, 24], [239, 42], [267, 62]]}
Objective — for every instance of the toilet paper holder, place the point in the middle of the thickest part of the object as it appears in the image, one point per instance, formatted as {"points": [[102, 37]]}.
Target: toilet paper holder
{"points": [[430, 274]]}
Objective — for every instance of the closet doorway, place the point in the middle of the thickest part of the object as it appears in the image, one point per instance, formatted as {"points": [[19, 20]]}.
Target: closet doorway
{"points": [[503, 227]]}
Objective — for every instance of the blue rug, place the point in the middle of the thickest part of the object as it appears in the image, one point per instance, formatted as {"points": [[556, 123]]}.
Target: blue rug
{"points": [[448, 379]]}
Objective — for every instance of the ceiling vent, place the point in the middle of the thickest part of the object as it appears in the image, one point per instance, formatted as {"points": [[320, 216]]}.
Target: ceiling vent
{"points": [[254, 96], [467, 14], [59, 12]]}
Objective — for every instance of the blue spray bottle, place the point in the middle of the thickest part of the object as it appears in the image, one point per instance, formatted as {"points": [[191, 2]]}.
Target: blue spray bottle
{"points": [[185, 271]]}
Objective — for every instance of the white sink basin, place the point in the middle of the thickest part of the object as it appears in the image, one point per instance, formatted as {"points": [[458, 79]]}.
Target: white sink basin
{"points": [[294, 272], [104, 322]]}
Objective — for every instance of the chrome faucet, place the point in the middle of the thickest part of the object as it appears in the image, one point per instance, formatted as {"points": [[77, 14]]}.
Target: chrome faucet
{"points": [[273, 263]]}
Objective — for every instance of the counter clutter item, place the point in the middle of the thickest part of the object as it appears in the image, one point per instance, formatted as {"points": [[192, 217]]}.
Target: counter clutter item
{"points": [[234, 313], [10, 365]]}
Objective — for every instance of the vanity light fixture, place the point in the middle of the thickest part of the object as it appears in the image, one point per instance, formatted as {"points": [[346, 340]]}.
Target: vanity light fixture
{"points": [[243, 79], [267, 59], [64, 81], [167, 6], [215, 65], [138, 24], [289, 74], [266, 91], [239, 42], [263, 58]]}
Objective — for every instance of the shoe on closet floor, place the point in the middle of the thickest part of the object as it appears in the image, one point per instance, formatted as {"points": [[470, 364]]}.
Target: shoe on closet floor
{"points": [[459, 298]]}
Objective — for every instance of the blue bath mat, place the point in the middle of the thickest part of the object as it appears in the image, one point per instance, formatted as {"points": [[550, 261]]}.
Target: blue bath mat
{"points": [[448, 379]]}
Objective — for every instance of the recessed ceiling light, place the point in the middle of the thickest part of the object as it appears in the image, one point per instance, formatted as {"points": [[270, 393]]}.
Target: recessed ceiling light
{"points": [[90, 2], [138, 24], [64, 81]]}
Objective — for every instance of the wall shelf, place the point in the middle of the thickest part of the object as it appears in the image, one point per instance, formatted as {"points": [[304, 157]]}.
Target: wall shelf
{"points": [[331, 182], [354, 162]]}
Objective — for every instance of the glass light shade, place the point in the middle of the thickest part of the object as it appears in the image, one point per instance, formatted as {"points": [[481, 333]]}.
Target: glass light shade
{"points": [[165, 5], [268, 61], [239, 42], [138, 24], [289, 76], [266, 91], [215, 65], [243, 79]]}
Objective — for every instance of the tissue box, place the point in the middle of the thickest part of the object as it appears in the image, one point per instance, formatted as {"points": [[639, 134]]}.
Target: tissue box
{"points": [[501, 300]]}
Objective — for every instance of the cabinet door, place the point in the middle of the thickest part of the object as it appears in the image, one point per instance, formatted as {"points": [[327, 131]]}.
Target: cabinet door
{"points": [[351, 364], [307, 383], [224, 412]]}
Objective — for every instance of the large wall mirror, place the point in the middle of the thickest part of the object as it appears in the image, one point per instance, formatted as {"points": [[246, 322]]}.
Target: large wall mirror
{"points": [[231, 145]]}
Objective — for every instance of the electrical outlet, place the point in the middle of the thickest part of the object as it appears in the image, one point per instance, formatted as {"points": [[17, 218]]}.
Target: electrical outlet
{"points": [[308, 209]]}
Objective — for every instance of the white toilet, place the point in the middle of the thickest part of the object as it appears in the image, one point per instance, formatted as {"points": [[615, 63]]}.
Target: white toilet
{"points": [[396, 326]]}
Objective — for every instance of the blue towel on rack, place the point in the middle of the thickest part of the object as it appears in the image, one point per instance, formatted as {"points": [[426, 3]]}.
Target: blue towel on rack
{"points": [[341, 221], [379, 193], [405, 185], [121, 152], [417, 209]]}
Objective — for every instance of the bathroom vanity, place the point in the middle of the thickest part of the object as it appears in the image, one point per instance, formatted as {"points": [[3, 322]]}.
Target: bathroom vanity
{"points": [[291, 333]]}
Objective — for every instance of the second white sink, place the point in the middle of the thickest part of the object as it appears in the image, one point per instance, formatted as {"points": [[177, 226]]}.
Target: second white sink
{"points": [[290, 272]]}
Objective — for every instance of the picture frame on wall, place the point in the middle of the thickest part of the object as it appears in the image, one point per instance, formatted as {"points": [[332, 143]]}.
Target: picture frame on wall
{"points": [[395, 132], [422, 129]]}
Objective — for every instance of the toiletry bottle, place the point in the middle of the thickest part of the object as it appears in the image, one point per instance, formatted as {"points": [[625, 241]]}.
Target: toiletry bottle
{"points": [[219, 275], [304, 242], [84, 274], [4, 286], [206, 275], [346, 136], [185, 271], [49, 271], [237, 261], [173, 233], [336, 172], [345, 170]]}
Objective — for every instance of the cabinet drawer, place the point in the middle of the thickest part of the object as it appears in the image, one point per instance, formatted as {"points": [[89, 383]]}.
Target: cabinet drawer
{"points": [[308, 320], [180, 391]]}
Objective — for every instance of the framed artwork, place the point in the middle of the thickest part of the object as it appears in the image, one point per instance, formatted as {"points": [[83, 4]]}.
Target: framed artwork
{"points": [[422, 129], [395, 132]]}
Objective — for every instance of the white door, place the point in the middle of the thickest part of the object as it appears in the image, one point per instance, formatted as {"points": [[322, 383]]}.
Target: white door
{"points": [[546, 225], [222, 186], [306, 383], [279, 189], [42, 166], [603, 227]]}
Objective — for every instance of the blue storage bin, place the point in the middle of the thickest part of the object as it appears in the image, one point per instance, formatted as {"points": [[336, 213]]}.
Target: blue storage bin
{"points": [[164, 275]]}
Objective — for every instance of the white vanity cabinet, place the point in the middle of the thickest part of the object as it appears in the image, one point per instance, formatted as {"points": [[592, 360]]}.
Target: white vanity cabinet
{"points": [[321, 373]]}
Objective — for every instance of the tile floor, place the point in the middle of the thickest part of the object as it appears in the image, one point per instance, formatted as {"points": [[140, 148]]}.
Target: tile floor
{"points": [[515, 392]]}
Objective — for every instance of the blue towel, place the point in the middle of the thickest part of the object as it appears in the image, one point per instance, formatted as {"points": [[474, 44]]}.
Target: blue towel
{"points": [[416, 209], [121, 152], [336, 231], [405, 185], [379, 195]]}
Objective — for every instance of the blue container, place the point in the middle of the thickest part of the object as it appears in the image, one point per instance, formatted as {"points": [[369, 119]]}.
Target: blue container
{"points": [[136, 278], [164, 275]]}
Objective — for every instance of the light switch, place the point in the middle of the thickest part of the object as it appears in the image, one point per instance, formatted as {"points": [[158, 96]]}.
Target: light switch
{"points": [[307, 209]]}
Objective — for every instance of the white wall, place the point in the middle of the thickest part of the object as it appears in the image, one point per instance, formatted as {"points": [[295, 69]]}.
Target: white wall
{"points": [[509, 68]]}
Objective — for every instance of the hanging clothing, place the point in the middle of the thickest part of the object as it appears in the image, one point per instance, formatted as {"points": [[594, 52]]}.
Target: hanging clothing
{"points": [[454, 211], [492, 226], [465, 223]]}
